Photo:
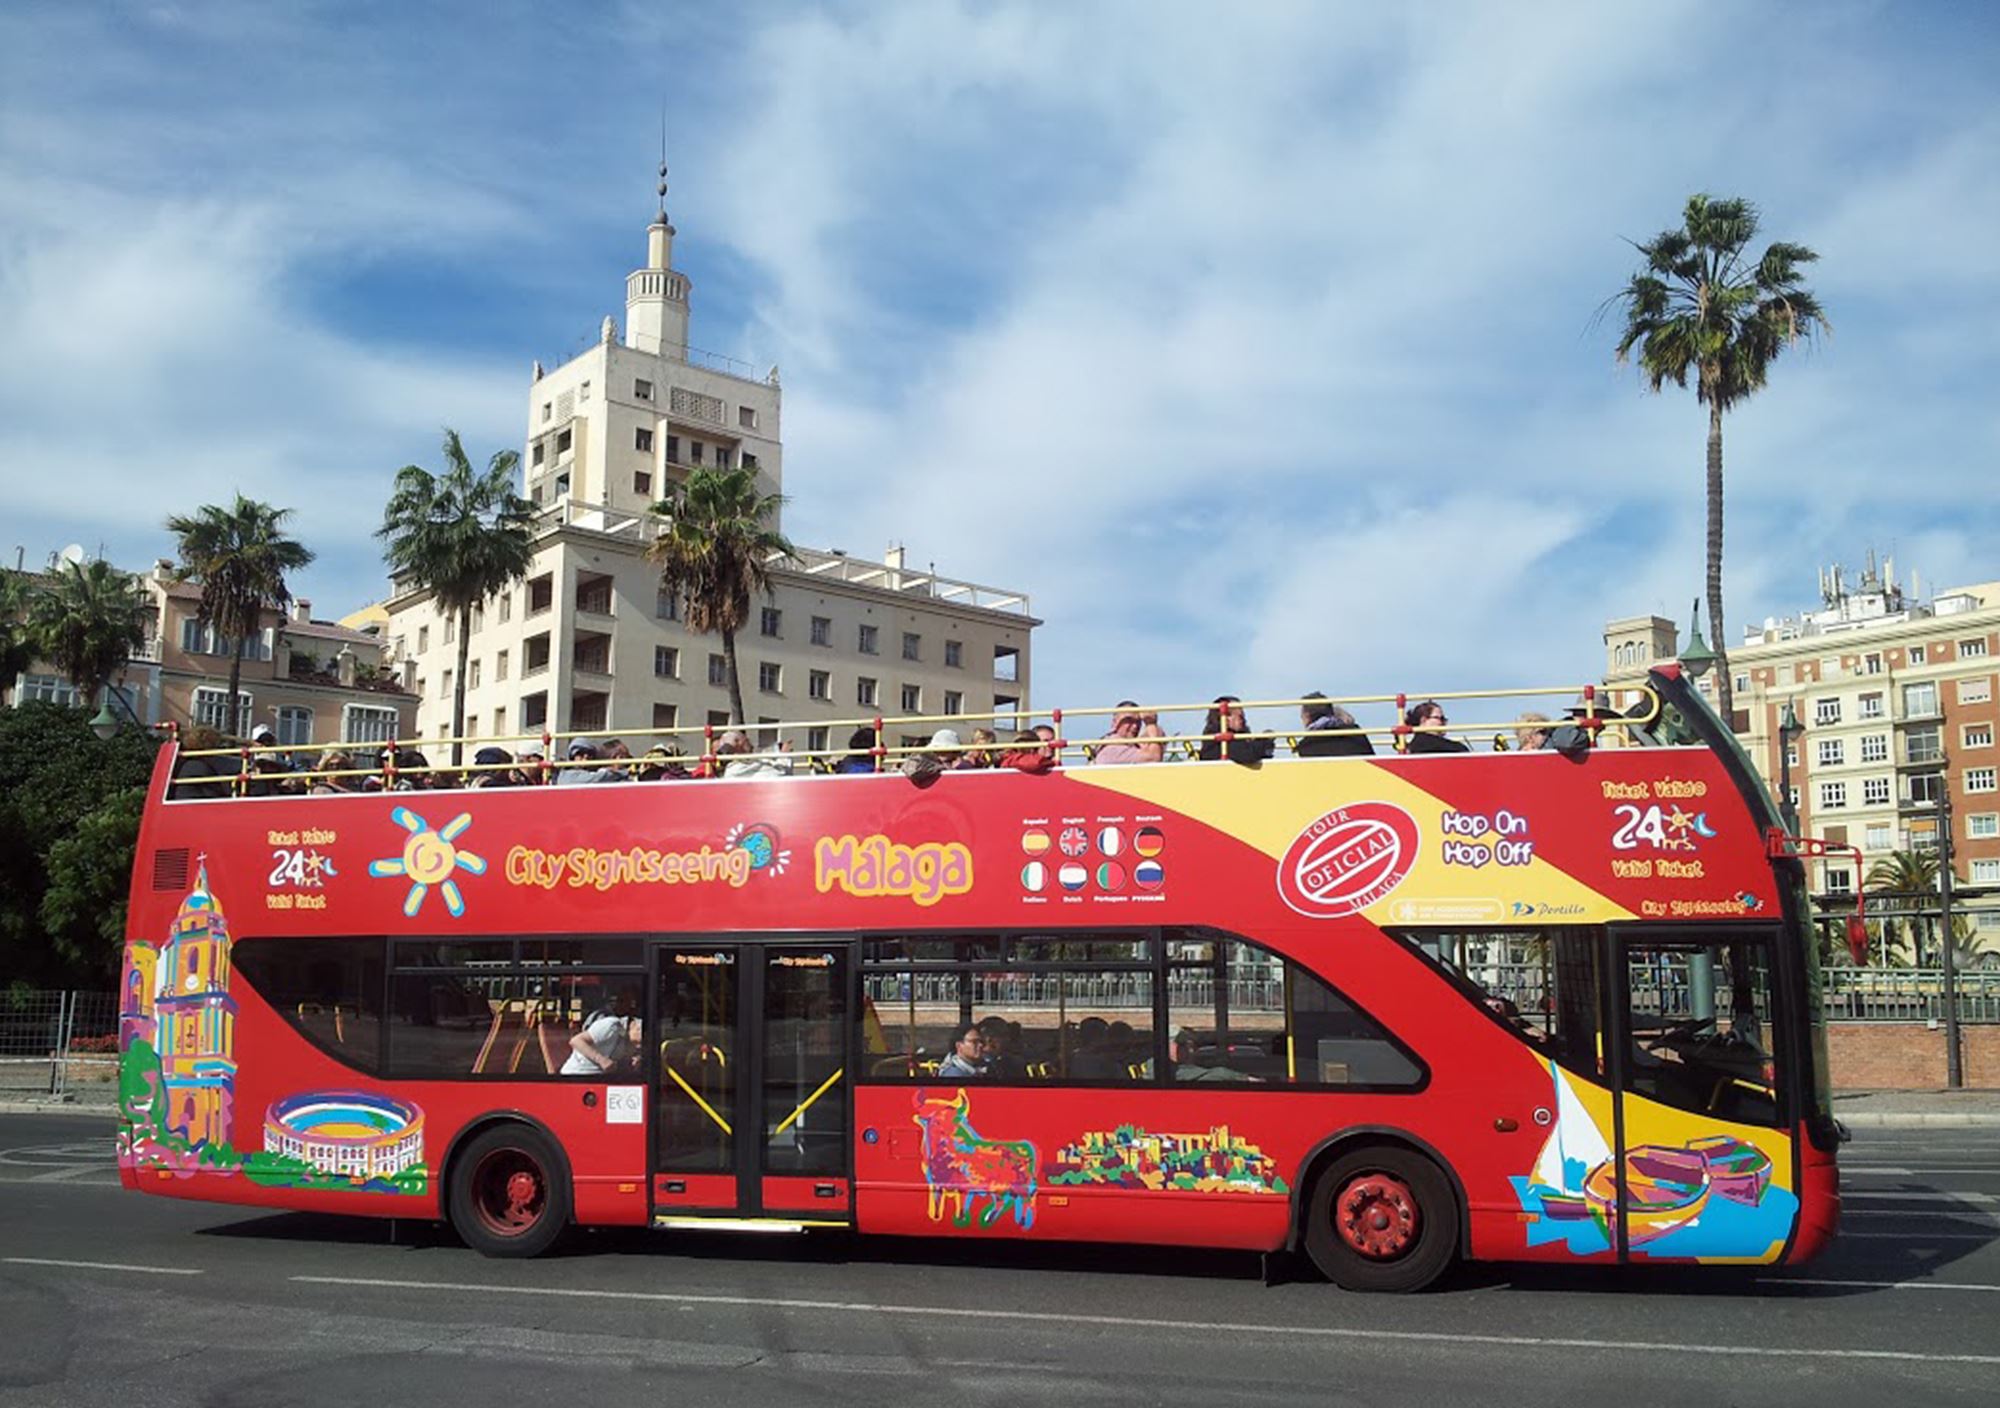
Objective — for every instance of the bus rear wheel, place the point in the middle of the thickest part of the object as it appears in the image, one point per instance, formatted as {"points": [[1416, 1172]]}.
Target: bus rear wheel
{"points": [[1382, 1219], [509, 1195]]}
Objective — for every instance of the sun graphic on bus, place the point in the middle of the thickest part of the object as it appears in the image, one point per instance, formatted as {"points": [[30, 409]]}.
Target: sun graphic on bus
{"points": [[428, 859]]}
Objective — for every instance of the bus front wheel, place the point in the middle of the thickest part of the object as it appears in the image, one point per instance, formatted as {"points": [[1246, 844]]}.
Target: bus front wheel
{"points": [[1382, 1219], [509, 1194]]}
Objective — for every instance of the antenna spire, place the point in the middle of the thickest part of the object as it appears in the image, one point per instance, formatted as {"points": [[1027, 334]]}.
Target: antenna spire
{"points": [[663, 163]]}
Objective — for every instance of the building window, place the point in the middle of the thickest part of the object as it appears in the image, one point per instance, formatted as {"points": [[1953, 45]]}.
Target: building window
{"points": [[548, 411], [722, 457], [1983, 826], [642, 390], [819, 684], [867, 641], [1972, 649], [666, 716], [1832, 796], [1839, 880], [769, 620], [1874, 791], [1826, 711], [673, 449], [822, 630], [450, 629], [1742, 684], [770, 676], [211, 707], [1923, 745], [913, 699], [1985, 872], [1978, 735], [749, 460], [500, 666], [423, 639], [864, 692], [1877, 838], [1871, 705], [666, 662], [563, 443], [534, 710], [642, 439], [1926, 788], [1980, 779], [295, 725], [817, 738], [954, 701], [718, 670], [499, 721], [1919, 655], [1792, 756], [535, 453], [506, 605], [718, 718], [1832, 752], [48, 689], [367, 723], [694, 452], [472, 675], [746, 417], [913, 646], [1875, 748], [954, 655], [1920, 700], [667, 605], [642, 483], [444, 685], [1871, 664], [1977, 691]]}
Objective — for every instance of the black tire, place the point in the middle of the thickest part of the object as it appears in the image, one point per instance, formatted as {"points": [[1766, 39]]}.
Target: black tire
{"points": [[509, 1193], [1382, 1219]]}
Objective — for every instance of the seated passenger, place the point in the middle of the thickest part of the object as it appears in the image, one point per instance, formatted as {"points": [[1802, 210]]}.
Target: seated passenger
{"points": [[999, 1049], [940, 755], [860, 752], [609, 1040], [980, 754], [583, 757], [736, 750], [534, 767], [1028, 754], [1186, 1067], [1327, 731], [1092, 1057], [663, 762], [494, 768], [332, 760], [1428, 721], [1132, 738], [1228, 711], [1531, 731], [615, 751], [967, 1058]]}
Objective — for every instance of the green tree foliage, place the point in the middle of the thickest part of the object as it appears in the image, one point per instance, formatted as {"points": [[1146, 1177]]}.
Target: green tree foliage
{"points": [[87, 620], [60, 782], [463, 535], [715, 552], [1702, 306], [17, 636], [89, 879], [239, 555]]}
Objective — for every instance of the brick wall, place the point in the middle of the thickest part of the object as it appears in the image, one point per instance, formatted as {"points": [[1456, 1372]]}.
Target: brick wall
{"points": [[1909, 1056]]}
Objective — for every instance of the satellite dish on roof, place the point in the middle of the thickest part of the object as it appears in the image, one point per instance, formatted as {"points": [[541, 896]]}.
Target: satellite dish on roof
{"points": [[73, 553]]}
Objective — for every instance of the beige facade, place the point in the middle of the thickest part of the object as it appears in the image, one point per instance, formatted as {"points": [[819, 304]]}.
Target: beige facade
{"points": [[589, 644], [1897, 699], [313, 682]]}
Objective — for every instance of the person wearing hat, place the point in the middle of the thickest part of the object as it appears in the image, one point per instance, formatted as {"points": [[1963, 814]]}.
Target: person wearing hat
{"points": [[664, 762], [940, 755], [268, 771], [1427, 722], [533, 769], [581, 751], [494, 768]]}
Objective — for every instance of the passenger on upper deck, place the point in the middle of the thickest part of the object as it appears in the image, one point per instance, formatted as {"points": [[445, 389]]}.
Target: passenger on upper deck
{"points": [[1133, 738], [1428, 721], [1326, 734], [1531, 731], [860, 752], [664, 762], [581, 752], [1028, 754], [980, 754], [1228, 712], [615, 751], [939, 755], [493, 768], [332, 760], [735, 748]]}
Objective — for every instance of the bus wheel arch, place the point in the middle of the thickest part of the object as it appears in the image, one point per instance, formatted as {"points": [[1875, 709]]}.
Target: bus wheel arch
{"points": [[1403, 1219], [506, 1185]]}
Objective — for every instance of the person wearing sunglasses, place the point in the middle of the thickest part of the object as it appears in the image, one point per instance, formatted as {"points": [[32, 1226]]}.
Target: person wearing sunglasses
{"points": [[1427, 722]]}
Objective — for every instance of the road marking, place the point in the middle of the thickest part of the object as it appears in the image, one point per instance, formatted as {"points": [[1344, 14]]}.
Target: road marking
{"points": [[1879, 1170], [1969, 1216], [1886, 1196], [1143, 1323], [1876, 1285], [105, 1266], [1916, 1239]]}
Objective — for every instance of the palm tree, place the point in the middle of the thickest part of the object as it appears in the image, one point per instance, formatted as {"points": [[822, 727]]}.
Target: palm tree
{"points": [[88, 621], [240, 556], [463, 535], [1910, 875], [17, 635], [715, 550], [1698, 307]]}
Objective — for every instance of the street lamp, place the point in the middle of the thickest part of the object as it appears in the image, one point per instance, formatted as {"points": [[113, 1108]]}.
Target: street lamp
{"points": [[104, 723], [1697, 659], [1789, 729]]}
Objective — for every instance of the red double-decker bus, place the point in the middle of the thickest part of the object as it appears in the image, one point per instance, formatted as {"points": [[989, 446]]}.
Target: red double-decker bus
{"points": [[1557, 1005]]}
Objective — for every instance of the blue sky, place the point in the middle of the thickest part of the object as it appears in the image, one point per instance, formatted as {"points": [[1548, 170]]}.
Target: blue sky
{"points": [[1256, 343]]}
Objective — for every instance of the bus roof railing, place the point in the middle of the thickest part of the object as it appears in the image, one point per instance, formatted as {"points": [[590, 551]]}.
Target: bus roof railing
{"points": [[537, 751]]}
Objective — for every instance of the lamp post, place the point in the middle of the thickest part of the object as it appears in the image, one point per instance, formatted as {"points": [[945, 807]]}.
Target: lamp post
{"points": [[1789, 729], [1954, 1076], [104, 723], [1696, 658]]}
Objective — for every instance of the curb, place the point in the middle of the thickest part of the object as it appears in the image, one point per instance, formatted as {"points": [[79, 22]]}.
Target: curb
{"points": [[56, 1107], [1917, 1119]]}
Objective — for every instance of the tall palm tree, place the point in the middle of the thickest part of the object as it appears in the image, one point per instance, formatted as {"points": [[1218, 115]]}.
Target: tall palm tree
{"points": [[463, 535], [88, 620], [17, 633], [715, 549], [1699, 307], [240, 556], [1911, 875]]}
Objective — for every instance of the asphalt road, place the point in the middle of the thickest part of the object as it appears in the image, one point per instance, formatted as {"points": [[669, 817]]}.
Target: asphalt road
{"points": [[108, 1297]]}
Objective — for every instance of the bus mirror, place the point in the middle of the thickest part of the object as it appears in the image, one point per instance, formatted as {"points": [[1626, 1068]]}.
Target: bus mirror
{"points": [[1857, 938]]}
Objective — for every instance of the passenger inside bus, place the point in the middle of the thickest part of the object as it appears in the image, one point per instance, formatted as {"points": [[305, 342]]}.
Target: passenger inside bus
{"points": [[967, 1058], [610, 1040]]}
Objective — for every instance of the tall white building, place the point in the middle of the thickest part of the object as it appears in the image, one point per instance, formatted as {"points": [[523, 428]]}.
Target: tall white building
{"points": [[588, 643]]}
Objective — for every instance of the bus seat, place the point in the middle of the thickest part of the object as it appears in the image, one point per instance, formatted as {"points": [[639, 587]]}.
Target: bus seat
{"points": [[552, 1036]]}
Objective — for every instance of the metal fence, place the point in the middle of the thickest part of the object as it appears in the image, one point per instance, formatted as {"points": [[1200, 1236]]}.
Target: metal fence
{"points": [[59, 1045]]}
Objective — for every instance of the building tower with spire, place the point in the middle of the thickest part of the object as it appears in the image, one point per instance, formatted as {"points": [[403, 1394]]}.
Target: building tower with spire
{"points": [[196, 1020], [656, 297]]}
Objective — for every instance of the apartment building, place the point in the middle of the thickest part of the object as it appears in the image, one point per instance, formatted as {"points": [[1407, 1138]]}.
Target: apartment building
{"points": [[589, 643], [313, 682], [1896, 696]]}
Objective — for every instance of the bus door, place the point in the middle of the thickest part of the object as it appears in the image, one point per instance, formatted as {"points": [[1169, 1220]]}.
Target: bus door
{"points": [[1705, 1167], [751, 1110]]}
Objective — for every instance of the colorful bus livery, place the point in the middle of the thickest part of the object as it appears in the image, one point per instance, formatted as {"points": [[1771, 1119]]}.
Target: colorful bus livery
{"points": [[1389, 1010]]}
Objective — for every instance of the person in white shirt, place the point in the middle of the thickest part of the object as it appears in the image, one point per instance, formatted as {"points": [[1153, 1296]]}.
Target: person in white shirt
{"points": [[608, 1040]]}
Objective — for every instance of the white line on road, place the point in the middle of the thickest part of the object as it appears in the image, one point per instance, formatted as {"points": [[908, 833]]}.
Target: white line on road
{"points": [[1876, 1285], [1142, 1323], [105, 1266], [1888, 1196], [1917, 1239]]}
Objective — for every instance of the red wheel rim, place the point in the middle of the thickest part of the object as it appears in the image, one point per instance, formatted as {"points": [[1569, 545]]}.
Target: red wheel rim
{"points": [[510, 1193], [1377, 1216]]}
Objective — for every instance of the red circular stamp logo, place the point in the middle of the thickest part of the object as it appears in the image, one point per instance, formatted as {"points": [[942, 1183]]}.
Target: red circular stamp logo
{"points": [[1347, 860]]}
